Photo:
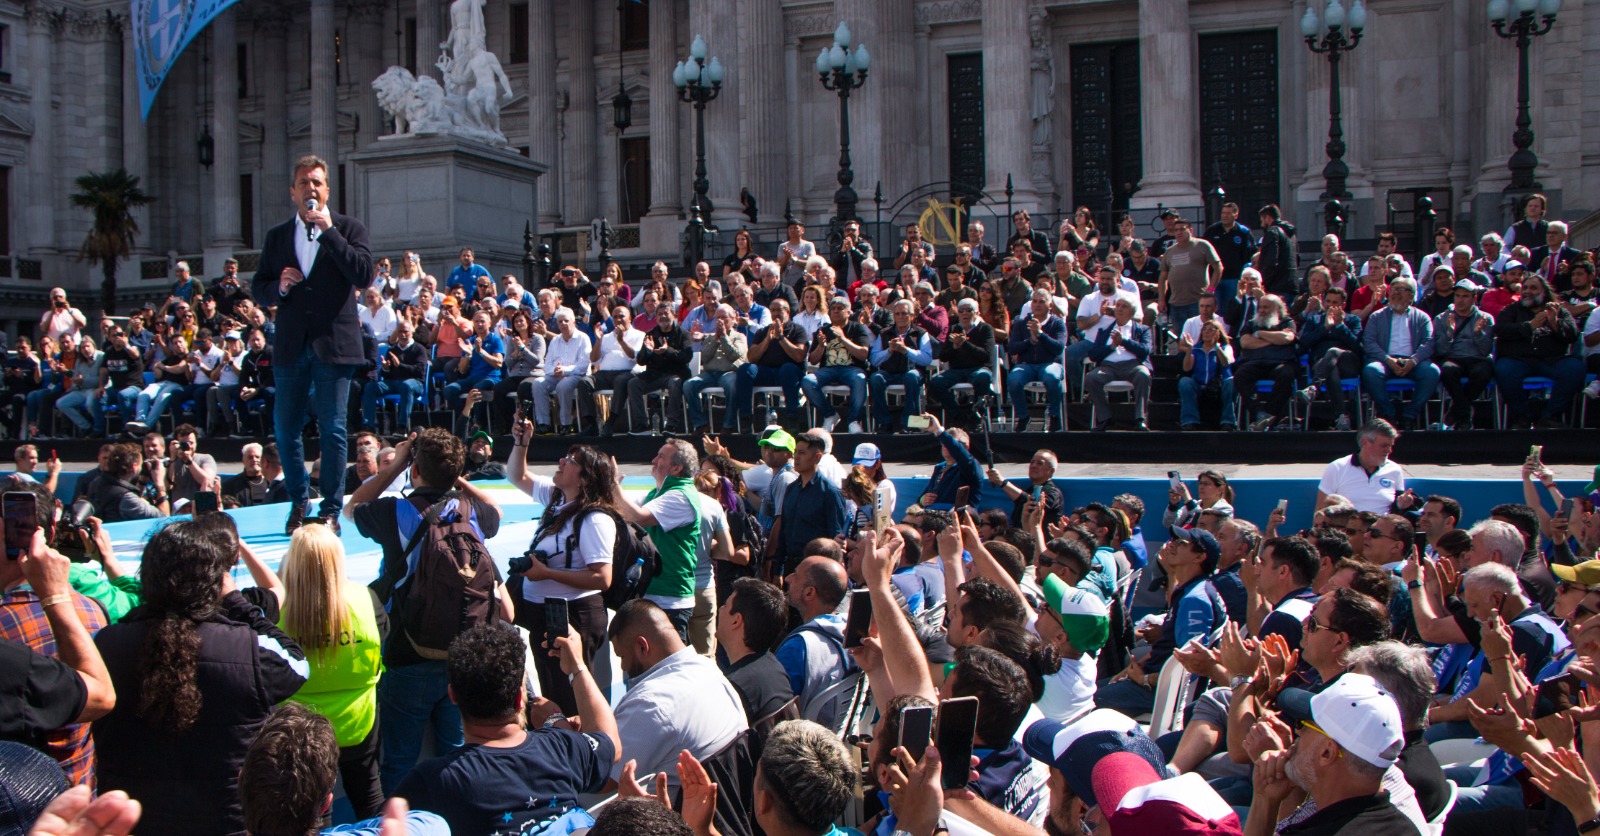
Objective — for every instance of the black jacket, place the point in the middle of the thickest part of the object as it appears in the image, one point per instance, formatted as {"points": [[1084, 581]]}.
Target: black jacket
{"points": [[1277, 260], [189, 782], [975, 353], [1516, 338], [321, 309], [672, 359]]}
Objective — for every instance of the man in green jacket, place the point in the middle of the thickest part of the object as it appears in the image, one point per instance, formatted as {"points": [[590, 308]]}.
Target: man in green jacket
{"points": [[671, 516]]}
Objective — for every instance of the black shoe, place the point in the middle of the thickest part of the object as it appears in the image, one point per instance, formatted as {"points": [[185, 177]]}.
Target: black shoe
{"points": [[1552, 424], [544, 429], [1407, 423], [1100, 429], [1141, 427], [297, 518], [1190, 428], [702, 429], [1054, 424], [329, 520], [887, 428], [1521, 424]]}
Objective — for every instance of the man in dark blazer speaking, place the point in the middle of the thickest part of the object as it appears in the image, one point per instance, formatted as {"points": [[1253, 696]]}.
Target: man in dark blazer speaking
{"points": [[312, 268]]}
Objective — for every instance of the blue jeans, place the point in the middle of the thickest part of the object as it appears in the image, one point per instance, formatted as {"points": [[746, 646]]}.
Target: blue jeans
{"points": [[455, 394], [306, 384], [1189, 402], [1050, 374], [1510, 372], [1179, 314], [408, 697], [1126, 697], [696, 405], [849, 376], [75, 403], [981, 379], [1375, 378], [152, 401], [752, 375], [377, 390], [880, 382], [1470, 799], [39, 399], [128, 401]]}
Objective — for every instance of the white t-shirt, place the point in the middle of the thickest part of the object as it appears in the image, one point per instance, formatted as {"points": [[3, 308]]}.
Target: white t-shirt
{"points": [[1345, 476], [612, 359], [382, 322], [1591, 326], [673, 510], [757, 478], [713, 522], [597, 534], [1399, 337], [230, 370], [1091, 305]]}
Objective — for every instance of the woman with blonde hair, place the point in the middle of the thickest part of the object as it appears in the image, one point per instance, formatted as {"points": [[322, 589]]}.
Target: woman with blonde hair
{"points": [[409, 278], [341, 626]]}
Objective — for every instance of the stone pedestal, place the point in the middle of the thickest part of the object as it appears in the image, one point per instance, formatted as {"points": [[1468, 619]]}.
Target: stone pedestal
{"points": [[439, 194]]}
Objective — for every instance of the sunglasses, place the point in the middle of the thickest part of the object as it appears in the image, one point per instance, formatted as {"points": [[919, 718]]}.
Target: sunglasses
{"points": [[1376, 534], [1312, 626]]}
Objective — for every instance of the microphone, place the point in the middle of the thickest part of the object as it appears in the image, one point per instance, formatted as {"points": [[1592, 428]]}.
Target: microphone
{"points": [[311, 206]]}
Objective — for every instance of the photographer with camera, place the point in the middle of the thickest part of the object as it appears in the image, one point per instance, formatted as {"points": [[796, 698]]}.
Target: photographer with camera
{"points": [[117, 495], [571, 556], [191, 471], [61, 319]]}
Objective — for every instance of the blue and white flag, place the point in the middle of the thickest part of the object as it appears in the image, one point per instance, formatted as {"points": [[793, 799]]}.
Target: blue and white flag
{"points": [[162, 28]]}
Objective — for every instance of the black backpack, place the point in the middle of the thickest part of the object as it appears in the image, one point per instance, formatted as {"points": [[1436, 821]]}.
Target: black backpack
{"points": [[632, 548], [453, 585]]}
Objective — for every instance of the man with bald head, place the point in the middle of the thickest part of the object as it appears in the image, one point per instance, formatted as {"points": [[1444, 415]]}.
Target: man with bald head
{"points": [[813, 655], [676, 700]]}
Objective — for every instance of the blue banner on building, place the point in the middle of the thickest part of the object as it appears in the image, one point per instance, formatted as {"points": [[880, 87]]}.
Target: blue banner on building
{"points": [[162, 28]]}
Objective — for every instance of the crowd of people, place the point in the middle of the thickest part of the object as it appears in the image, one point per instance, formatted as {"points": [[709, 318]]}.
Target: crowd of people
{"points": [[786, 638], [1252, 341]]}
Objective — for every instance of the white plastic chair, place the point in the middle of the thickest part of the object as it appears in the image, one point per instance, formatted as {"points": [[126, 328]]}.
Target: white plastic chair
{"points": [[1174, 686], [1436, 824]]}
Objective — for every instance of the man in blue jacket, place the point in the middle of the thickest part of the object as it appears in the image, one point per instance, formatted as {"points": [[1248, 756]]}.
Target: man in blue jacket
{"points": [[958, 470], [1122, 352], [1398, 343], [1037, 339], [1331, 337]]}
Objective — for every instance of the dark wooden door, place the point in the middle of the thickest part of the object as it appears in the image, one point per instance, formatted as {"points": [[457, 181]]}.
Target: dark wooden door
{"points": [[1106, 159], [964, 74], [1239, 117]]}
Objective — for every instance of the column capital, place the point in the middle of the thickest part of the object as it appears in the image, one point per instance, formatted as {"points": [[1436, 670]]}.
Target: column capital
{"points": [[367, 11], [41, 14]]}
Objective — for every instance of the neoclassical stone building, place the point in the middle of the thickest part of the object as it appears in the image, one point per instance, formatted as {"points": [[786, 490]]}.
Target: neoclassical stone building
{"points": [[1099, 102]]}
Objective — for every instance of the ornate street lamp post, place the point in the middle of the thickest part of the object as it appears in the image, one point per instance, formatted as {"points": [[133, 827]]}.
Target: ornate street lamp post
{"points": [[1335, 34], [843, 68], [698, 82], [1533, 18]]}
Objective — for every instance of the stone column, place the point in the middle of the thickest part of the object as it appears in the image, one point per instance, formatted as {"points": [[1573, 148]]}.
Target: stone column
{"points": [[762, 84], [272, 28], [869, 107], [41, 226], [893, 74], [324, 88], [1007, 123], [666, 158], [924, 100], [794, 74], [368, 66], [430, 34], [544, 144], [135, 141], [582, 116], [1168, 105], [225, 232], [716, 20]]}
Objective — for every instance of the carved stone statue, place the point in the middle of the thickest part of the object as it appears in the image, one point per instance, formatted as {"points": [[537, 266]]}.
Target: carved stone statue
{"points": [[1042, 74], [468, 104]]}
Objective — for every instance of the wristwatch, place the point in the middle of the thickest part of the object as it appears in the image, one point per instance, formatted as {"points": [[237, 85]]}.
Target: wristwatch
{"points": [[1589, 826], [1413, 584]]}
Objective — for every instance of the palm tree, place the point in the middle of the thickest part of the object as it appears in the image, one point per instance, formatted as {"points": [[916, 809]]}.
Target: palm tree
{"points": [[111, 196]]}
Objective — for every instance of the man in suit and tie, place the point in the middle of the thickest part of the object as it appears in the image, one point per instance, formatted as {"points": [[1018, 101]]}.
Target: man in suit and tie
{"points": [[312, 268], [1553, 261]]}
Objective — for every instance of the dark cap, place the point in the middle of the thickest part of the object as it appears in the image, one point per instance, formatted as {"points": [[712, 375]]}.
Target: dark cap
{"points": [[1199, 537]]}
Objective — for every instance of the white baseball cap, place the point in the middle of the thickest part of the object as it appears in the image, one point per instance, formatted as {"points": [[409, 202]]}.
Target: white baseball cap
{"points": [[867, 454], [1355, 712]]}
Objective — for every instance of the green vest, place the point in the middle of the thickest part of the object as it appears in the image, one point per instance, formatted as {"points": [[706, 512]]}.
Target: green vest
{"points": [[679, 548], [343, 685]]}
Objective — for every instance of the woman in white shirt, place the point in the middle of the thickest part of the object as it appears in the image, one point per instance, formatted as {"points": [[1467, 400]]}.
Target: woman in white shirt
{"points": [[811, 315], [1215, 495], [570, 557], [377, 315]]}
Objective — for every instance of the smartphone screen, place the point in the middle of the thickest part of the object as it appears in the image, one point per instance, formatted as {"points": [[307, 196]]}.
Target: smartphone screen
{"points": [[205, 501], [916, 729], [1283, 505], [555, 620], [1536, 453], [916, 422], [1038, 491], [1173, 480], [860, 620], [958, 721], [21, 511]]}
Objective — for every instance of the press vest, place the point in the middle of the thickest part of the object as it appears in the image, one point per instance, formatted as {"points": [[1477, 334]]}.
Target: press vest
{"points": [[679, 548], [344, 683]]}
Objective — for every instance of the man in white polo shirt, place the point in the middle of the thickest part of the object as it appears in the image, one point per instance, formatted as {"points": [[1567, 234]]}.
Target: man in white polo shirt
{"points": [[1369, 479]]}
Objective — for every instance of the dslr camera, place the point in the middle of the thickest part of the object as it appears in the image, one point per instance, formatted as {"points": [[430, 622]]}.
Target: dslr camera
{"points": [[523, 563]]}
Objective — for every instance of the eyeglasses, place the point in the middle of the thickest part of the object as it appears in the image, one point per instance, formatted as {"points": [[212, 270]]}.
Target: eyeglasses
{"points": [[1570, 586], [1312, 626], [568, 460], [1378, 534]]}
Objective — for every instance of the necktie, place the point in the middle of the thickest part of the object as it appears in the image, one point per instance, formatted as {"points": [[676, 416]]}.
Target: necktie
{"points": [[1550, 266]]}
